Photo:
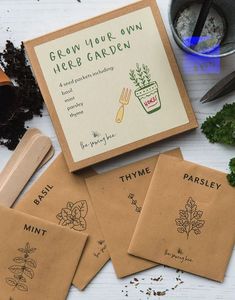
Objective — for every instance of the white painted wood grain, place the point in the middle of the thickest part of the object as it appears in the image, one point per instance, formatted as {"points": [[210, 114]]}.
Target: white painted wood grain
{"points": [[26, 19]]}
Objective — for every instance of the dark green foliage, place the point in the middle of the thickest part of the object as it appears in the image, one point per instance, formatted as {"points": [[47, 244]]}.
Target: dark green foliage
{"points": [[231, 176], [231, 179], [221, 127], [232, 165]]}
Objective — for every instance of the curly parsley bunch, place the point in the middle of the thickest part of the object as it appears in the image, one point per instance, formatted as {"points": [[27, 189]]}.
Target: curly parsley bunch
{"points": [[221, 129], [231, 176]]}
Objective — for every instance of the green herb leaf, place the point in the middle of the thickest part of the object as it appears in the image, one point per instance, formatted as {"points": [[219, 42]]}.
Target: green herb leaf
{"points": [[221, 127], [231, 179], [231, 176], [232, 165]]}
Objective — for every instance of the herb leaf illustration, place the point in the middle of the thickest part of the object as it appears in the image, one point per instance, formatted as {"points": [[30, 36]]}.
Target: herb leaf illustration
{"points": [[141, 76], [11, 281], [73, 215], [31, 263], [23, 267], [147, 73], [134, 202], [190, 219], [134, 78]]}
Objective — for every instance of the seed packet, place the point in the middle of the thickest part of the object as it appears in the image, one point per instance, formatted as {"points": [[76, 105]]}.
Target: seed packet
{"points": [[118, 197], [188, 219], [62, 198], [38, 259]]}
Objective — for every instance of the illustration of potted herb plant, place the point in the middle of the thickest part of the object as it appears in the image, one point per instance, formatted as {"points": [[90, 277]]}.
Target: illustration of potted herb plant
{"points": [[22, 269], [190, 219], [147, 90]]}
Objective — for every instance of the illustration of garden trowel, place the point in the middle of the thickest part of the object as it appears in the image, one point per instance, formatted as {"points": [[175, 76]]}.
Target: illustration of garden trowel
{"points": [[124, 100]]}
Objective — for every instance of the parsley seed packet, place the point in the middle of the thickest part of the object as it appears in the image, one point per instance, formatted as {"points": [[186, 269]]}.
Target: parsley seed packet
{"points": [[62, 197], [38, 259], [118, 197], [188, 219]]}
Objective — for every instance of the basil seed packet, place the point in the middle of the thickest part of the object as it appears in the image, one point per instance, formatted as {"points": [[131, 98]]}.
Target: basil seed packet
{"points": [[62, 197]]}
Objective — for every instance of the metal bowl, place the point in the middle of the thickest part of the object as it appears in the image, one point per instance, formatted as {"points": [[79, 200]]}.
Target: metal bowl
{"points": [[225, 7]]}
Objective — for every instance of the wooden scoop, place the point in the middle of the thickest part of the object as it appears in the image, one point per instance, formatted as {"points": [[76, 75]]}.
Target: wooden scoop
{"points": [[28, 156]]}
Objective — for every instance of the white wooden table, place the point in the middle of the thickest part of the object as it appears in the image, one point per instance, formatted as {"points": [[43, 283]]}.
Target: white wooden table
{"points": [[25, 19]]}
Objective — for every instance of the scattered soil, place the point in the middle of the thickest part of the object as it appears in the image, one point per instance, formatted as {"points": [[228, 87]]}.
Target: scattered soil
{"points": [[18, 103]]}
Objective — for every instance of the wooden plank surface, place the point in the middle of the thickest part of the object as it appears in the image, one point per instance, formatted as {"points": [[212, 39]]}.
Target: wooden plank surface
{"points": [[26, 19]]}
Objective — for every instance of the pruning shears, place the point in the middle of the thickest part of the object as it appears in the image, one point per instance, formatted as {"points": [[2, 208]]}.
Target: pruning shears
{"points": [[222, 88]]}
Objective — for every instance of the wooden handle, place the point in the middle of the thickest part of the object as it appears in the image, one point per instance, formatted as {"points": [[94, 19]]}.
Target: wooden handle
{"points": [[30, 133], [120, 114], [48, 156], [26, 139], [22, 166]]}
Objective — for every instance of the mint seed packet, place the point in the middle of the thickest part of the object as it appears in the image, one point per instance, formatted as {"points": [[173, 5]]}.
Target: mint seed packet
{"points": [[38, 259], [62, 197]]}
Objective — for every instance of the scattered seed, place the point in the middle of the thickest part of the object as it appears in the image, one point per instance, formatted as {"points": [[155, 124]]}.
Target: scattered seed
{"points": [[152, 291]]}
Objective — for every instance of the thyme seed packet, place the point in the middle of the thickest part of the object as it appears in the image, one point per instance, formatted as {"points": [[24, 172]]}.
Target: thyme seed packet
{"points": [[118, 198], [38, 259], [62, 198], [188, 219]]}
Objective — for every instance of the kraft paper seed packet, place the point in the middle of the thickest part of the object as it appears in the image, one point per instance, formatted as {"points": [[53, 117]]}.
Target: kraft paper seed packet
{"points": [[188, 219], [118, 197], [62, 198], [38, 259]]}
